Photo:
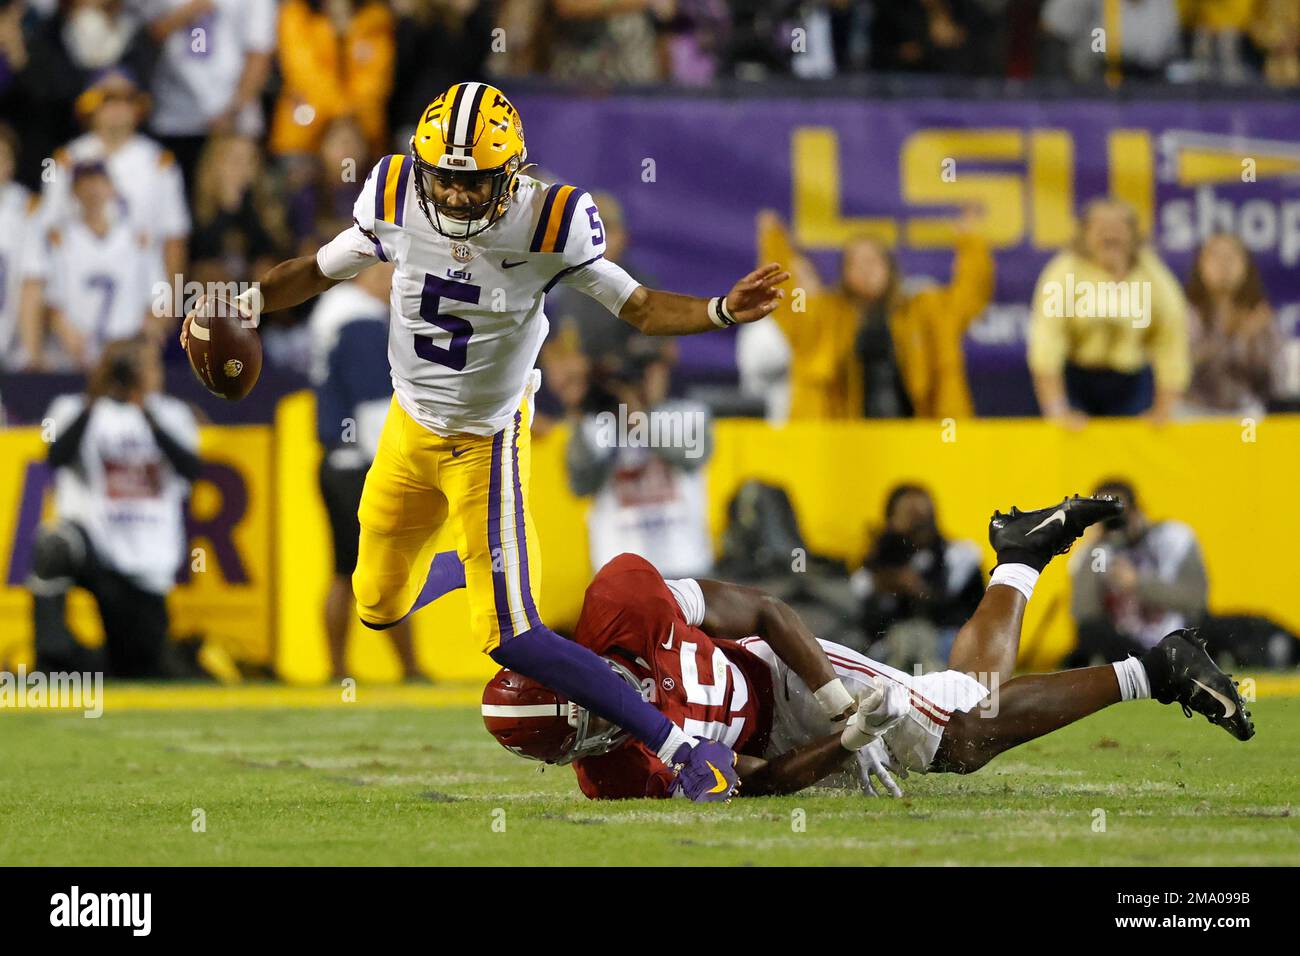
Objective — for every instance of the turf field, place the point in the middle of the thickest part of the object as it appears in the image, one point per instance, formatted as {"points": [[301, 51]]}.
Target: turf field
{"points": [[408, 776]]}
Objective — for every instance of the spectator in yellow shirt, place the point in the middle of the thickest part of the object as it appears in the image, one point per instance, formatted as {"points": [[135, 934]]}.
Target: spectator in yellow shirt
{"points": [[1108, 326], [865, 348], [336, 58]]}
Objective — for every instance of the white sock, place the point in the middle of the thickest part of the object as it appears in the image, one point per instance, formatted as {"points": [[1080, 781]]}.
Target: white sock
{"points": [[1019, 576], [669, 747], [1133, 681]]}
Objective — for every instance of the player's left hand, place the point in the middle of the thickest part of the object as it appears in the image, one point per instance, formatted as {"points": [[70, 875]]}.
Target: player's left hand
{"points": [[706, 772], [886, 705], [874, 761], [757, 295]]}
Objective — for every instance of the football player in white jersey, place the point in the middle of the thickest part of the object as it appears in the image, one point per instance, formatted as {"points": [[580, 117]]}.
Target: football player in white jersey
{"points": [[477, 243]]}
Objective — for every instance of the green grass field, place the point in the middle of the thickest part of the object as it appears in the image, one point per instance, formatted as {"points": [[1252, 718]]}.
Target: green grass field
{"points": [[346, 784]]}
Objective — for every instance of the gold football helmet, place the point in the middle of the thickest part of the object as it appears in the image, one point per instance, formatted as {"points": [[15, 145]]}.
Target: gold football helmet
{"points": [[469, 136]]}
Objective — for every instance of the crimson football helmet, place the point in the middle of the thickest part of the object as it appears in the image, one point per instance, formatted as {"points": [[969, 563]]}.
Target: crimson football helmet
{"points": [[536, 722]]}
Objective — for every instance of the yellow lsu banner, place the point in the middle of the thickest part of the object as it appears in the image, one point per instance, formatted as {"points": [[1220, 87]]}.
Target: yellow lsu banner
{"points": [[225, 586], [260, 561]]}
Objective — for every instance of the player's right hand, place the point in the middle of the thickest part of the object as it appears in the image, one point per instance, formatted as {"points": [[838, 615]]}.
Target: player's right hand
{"points": [[706, 772], [874, 761], [885, 706], [189, 317]]}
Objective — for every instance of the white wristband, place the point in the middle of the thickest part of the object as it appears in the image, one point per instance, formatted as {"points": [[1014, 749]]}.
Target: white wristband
{"points": [[718, 313], [1019, 576], [855, 736], [834, 698]]}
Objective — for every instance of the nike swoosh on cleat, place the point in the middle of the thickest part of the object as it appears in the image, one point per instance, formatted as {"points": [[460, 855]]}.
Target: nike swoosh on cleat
{"points": [[717, 775], [1058, 514], [1229, 705]]}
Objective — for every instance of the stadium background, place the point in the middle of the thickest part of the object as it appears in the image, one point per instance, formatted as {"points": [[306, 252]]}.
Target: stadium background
{"points": [[832, 164], [691, 169]]}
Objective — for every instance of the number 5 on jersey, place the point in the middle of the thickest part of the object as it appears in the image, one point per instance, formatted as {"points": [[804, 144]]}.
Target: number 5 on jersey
{"points": [[436, 289]]}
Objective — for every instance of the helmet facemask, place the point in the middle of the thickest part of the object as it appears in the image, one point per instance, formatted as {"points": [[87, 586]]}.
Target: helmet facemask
{"points": [[583, 742], [477, 218]]}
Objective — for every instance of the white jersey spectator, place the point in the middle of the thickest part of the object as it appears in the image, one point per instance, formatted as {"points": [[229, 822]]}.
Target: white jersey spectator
{"points": [[123, 456], [653, 508], [98, 273], [143, 174], [18, 229], [1134, 582], [646, 471], [120, 489], [203, 58]]}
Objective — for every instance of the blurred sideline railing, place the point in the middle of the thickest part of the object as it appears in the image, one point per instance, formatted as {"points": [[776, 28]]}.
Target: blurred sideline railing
{"points": [[260, 560]]}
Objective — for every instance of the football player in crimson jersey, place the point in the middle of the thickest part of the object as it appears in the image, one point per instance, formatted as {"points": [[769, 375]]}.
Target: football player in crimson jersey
{"points": [[476, 244], [733, 664]]}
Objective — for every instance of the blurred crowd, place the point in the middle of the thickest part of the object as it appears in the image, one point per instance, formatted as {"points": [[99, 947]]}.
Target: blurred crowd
{"points": [[150, 139], [1112, 331], [146, 144]]}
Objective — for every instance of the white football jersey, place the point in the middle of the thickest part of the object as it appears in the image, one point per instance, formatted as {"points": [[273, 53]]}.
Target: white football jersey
{"points": [[103, 285], [466, 315], [17, 231], [144, 174], [121, 489], [200, 66]]}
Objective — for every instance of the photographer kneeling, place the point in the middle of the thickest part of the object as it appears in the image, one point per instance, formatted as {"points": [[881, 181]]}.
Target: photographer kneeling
{"points": [[123, 456]]}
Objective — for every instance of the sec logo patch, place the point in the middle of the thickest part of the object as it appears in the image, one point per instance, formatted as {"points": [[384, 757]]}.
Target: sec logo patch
{"points": [[232, 368], [669, 683]]}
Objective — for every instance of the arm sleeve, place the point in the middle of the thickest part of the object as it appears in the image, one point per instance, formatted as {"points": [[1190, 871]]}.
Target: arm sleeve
{"points": [[604, 281], [175, 214], [774, 246], [686, 455], [585, 268], [67, 442], [348, 253], [187, 464], [358, 246], [588, 465], [1047, 343], [968, 294], [690, 598], [259, 26], [1087, 598], [1170, 352], [1179, 582]]}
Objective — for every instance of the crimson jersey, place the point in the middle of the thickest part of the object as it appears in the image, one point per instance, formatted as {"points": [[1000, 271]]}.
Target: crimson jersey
{"points": [[713, 689]]}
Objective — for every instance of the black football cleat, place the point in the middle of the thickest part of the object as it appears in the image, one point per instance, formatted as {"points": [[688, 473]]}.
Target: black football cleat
{"points": [[1182, 672], [1033, 537]]}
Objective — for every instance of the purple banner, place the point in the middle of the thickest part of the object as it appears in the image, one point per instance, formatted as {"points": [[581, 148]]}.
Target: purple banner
{"points": [[692, 173]]}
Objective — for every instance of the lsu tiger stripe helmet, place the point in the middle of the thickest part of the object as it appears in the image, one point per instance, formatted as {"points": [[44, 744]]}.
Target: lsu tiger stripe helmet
{"points": [[471, 136]]}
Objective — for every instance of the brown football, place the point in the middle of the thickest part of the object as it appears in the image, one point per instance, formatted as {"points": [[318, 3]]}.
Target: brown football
{"points": [[225, 350]]}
